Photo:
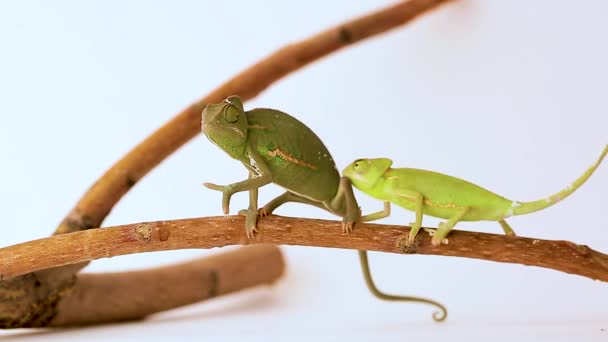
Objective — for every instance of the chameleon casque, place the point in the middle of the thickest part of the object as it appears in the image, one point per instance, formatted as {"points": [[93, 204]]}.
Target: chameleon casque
{"points": [[443, 196], [277, 148]]}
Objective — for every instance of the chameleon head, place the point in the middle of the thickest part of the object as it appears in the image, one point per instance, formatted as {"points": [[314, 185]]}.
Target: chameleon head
{"points": [[364, 173], [225, 124]]}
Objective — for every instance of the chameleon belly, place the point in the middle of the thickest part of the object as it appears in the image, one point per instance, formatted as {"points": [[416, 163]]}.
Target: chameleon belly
{"points": [[293, 152]]}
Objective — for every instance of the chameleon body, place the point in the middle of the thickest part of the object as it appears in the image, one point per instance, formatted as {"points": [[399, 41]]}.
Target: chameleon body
{"points": [[275, 147], [443, 196]]}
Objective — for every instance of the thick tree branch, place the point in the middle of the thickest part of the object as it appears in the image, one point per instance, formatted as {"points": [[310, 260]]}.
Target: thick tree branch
{"points": [[212, 232], [32, 299], [111, 297]]}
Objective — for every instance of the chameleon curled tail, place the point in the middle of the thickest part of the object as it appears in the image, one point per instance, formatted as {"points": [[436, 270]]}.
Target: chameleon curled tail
{"points": [[438, 316], [520, 208]]}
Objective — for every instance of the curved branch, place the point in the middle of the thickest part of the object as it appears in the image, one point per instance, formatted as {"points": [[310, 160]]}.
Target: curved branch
{"points": [[32, 299], [212, 232], [96, 204]]}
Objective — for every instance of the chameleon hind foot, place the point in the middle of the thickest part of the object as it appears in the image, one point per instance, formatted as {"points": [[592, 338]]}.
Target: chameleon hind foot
{"points": [[506, 228], [264, 212], [347, 226], [349, 220]]}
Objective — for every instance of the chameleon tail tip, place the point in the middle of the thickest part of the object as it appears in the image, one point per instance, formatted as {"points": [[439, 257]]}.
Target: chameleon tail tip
{"points": [[440, 316]]}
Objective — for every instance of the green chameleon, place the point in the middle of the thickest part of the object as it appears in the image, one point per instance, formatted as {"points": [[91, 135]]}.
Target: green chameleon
{"points": [[277, 148], [443, 196]]}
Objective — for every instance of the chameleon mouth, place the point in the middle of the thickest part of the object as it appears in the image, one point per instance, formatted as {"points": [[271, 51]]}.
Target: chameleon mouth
{"points": [[209, 128], [237, 131]]}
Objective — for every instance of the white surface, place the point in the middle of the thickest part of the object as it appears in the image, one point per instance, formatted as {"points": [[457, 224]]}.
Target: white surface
{"points": [[508, 94]]}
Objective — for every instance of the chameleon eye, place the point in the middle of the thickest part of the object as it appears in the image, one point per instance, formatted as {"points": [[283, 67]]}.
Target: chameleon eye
{"points": [[231, 114]]}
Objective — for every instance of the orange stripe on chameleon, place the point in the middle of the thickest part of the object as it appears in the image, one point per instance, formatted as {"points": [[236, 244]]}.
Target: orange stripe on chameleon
{"points": [[290, 159], [441, 205]]}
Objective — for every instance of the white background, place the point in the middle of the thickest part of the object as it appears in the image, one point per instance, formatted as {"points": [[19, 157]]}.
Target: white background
{"points": [[508, 94]]}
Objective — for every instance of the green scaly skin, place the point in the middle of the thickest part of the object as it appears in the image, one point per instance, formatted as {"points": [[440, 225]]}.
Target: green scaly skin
{"points": [[277, 148], [443, 196]]}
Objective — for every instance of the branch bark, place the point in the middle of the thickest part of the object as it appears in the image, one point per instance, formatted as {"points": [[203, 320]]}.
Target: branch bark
{"points": [[109, 297], [112, 297], [33, 298], [212, 232]]}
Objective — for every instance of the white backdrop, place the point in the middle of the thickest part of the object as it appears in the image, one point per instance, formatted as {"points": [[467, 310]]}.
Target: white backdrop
{"points": [[508, 94]]}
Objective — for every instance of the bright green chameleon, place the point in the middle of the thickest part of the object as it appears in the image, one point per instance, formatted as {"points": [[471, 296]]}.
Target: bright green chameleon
{"points": [[275, 147], [443, 196]]}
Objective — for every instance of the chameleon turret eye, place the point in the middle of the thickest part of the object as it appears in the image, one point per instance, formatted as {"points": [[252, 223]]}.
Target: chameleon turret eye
{"points": [[231, 114], [235, 101]]}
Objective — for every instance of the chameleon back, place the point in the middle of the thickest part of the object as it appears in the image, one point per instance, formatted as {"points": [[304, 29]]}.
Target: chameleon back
{"points": [[293, 152]]}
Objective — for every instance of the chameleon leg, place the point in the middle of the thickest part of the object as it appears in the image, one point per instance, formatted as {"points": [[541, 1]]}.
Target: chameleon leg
{"points": [[437, 316], [352, 211], [251, 218], [419, 199], [506, 228], [378, 215], [230, 189], [446, 227], [284, 198]]}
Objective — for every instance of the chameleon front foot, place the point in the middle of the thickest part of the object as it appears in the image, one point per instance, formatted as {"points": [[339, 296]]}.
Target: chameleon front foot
{"points": [[251, 219], [250, 222], [436, 242], [227, 192], [407, 242], [406, 245], [446, 227], [432, 233]]}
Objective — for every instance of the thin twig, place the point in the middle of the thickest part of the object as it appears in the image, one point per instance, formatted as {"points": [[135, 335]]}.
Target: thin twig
{"points": [[212, 232]]}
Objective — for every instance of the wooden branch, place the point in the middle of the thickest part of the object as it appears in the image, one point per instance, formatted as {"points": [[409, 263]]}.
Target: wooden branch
{"points": [[33, 299], [212, 232], [111, 297]]}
